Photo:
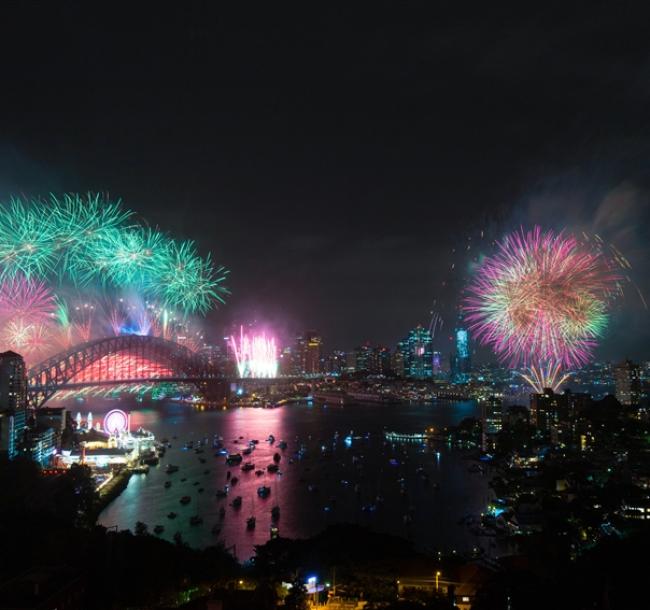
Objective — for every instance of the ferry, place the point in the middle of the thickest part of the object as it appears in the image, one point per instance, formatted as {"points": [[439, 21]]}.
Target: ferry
{"points": [[404, 437]]}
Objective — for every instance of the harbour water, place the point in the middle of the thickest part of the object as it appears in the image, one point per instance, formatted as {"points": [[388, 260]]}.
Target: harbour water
{"points": [[417, 492]]}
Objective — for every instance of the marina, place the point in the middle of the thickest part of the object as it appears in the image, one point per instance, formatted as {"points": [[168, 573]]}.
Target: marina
{"points": [[333, 465]]}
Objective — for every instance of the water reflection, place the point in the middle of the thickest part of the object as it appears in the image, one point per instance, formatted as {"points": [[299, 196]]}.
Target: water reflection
{"points": [[409, 491]]}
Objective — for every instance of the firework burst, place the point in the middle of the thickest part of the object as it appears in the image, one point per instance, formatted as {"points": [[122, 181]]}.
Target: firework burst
{"points": [[542, 301]]}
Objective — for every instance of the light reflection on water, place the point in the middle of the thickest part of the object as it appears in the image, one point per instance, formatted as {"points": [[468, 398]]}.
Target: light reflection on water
{"points": [[436, 512]]}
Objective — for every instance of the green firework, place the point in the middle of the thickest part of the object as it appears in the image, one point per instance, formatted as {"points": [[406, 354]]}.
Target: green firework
{"points": [[185, 281], [27, 241]]}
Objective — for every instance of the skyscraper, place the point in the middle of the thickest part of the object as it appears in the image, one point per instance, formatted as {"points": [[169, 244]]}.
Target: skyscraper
{"points": [[627, 377], [491, 420], [416, 354], [460, 361], [13, 402], [306, 355]]}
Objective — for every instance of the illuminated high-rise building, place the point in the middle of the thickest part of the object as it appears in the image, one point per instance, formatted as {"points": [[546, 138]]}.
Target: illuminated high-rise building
{"points": [[437, 364], [384, 361], [397, 363], [13, 403], [365, 360], [306, 355], [491, 420], [627, 376], [416, 354], [460, 361]]}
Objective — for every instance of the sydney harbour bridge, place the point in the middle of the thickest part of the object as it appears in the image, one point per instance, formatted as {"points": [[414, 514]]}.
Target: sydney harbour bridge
{"points": [[124, 360]]}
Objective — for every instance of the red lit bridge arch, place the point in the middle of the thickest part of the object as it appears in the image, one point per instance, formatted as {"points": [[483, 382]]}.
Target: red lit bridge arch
{"points": [[121, 360]]}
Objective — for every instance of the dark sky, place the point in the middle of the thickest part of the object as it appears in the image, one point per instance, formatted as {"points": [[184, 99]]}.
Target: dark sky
{"points": [[333, 158]]}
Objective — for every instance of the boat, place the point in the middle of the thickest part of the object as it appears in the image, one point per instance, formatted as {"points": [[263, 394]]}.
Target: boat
{"points": [[234, 481], [206, 471], [259, 473], [168, 484], [250, 523], [236, 503], [275, 513], [200, 490], [186, 500], [275, 532], [404, 437], [272, 468], [170, 468], [254, 441], [196, 520], [282, 445], [151, 460], [183, 479], [247, 451], [171, 515], [263, 491], [276, 457], [271, 439], [159, 529], [248, 466], [234, 458], [202, 460]]}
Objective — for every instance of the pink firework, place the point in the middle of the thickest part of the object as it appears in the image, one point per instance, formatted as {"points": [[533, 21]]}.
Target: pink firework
{"points": [[542, 299], [257, 356], [26, 299]]}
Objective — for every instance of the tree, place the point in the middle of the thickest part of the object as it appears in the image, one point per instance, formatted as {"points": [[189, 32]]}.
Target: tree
{"points": [[296, 599]]}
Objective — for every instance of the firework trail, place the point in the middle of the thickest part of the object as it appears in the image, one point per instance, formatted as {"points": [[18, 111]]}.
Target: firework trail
{"points": [[257, 356], [542, 301]]}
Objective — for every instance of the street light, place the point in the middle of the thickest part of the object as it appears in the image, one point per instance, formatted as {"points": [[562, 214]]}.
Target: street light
{"points": [[438, 575]]}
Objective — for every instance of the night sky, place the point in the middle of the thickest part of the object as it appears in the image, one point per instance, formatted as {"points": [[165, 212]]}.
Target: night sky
{"points": [[333, 160]]}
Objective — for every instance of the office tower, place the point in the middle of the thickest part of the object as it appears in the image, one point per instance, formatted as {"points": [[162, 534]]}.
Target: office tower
{"points": [[460, 361], [397, 363], [306, 355], [413, 357], [13, 402], [491, 420], [627, 377]]}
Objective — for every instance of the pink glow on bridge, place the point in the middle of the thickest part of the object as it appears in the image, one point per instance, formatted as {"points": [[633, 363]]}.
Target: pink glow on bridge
{"points": [[122, 366], [256, 355]]}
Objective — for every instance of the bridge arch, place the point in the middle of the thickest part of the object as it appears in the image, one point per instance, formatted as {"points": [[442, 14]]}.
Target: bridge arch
{"points": [[66, 369]]}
